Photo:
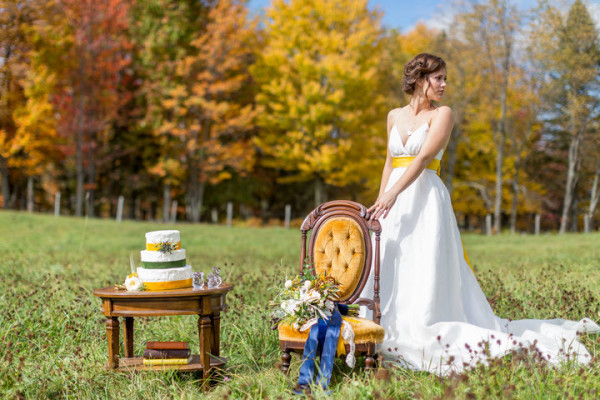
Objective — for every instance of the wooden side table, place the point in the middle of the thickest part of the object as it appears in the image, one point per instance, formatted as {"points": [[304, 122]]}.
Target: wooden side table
{"points": [[206, 303]]}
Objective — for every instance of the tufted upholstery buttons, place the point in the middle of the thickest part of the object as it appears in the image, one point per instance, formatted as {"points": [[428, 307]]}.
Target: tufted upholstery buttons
{"points": [[341, 252]]}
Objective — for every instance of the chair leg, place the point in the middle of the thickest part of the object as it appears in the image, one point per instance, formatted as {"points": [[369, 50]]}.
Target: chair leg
{"points": [[286, 357], [369, 360]]}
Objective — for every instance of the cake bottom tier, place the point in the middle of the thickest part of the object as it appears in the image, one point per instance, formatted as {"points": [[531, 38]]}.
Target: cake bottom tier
{"points": [[165, 279]]}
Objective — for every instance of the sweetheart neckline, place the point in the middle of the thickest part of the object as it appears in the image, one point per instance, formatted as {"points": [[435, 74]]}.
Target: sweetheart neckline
{"points": [[409, 135]]}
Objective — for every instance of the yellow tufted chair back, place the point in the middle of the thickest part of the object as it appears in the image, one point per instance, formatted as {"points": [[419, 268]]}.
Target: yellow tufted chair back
{"points": [[339, 251]]}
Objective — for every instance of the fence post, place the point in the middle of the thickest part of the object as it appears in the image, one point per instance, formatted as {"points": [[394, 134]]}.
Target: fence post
{"points": [[57, 204], [214, 215], [229, 213], [120, 202], [537, 224], [488, 224], [288, 215]]}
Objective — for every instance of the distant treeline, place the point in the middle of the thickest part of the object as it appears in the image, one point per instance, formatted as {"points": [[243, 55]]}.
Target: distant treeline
{"points": [[181, 106]]}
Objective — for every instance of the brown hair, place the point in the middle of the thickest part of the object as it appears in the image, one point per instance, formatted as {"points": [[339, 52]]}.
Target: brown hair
{"points": [[418, 68]]}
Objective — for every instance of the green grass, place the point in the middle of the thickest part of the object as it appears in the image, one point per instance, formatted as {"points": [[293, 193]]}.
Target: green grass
{"points": [[53, 341]]}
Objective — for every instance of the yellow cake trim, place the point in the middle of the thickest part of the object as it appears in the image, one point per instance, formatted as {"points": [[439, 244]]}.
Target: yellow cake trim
{"points": [[156, 246], [155, 286]]}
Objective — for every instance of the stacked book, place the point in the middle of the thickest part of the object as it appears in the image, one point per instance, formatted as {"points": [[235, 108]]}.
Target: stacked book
{"points": [[167, 353]]}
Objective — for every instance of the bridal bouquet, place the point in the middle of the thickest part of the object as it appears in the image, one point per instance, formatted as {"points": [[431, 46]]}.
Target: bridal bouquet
{"points": [[305, 299]]}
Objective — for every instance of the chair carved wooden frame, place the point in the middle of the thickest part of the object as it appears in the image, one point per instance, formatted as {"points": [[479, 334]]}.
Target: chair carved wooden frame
{"points": [[340, 244]]}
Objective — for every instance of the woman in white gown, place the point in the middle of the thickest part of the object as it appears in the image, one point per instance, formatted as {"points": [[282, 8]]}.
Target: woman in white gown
{"points": [[435, 315]]}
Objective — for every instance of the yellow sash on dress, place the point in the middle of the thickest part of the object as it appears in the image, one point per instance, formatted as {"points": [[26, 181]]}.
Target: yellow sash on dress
{"points": [[400, 162]]}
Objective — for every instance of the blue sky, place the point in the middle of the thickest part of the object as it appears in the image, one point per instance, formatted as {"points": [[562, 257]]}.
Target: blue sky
{"points": [[404, 14], [399, 14]]}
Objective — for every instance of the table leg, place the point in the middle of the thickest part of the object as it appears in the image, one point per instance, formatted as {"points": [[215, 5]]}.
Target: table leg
{"points": [[216, 329], [112, 336], [128, 337], [205, 330]]}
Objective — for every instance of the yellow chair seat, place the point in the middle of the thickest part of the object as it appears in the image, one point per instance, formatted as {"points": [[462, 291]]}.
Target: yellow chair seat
{"points": [[365, 331]]}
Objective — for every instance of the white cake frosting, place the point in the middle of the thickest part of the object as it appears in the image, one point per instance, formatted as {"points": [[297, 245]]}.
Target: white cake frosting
{"points": [[163, 262], [165, 275], [171, 236], [159, 256]]}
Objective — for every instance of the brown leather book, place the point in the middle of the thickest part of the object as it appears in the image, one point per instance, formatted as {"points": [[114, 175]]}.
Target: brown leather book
{"points": [[167, 346], [166, 353]]}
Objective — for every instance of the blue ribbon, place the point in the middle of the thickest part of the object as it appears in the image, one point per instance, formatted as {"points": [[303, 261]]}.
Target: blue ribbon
{"points": [[322, 340]]}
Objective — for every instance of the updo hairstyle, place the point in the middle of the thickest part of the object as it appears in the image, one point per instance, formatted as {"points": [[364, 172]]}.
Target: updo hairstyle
{"points": [[418, 68]]}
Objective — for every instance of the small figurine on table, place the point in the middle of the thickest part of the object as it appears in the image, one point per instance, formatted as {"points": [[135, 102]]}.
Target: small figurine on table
{"points": [[214, 278], [198, 280]]}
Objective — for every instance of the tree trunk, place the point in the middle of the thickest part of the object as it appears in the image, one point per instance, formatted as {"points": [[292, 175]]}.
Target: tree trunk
{"points": [[79, 154], [202, 184], [573, 163], [515, 195], [500, 153], [30, 197], [166, 202], [5, 182], [498, 199], [319, 191], [91, 176], [594, 197], [575, 213], [193, 179]]}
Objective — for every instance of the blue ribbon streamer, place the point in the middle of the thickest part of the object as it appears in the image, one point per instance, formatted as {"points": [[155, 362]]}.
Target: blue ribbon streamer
{"points": [[322, 340]]}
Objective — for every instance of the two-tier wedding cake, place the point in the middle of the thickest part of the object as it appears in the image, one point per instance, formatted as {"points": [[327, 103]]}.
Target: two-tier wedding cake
{"points": [[163, 262]]}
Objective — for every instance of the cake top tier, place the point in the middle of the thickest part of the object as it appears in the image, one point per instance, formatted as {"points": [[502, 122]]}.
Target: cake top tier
{"points": [[163, 237]]}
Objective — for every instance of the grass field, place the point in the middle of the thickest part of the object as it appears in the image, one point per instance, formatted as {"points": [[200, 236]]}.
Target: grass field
{"points": [[52, 335]]}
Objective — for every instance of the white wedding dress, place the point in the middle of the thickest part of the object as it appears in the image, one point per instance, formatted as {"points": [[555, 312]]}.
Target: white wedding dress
{"points": [[435, 315]]}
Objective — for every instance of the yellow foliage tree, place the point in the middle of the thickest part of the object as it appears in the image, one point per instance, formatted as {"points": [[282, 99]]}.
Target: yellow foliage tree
{"points": [[322, 105]]}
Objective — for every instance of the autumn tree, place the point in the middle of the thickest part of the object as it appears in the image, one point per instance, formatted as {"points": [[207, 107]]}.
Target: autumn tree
{"points": [[322, 110], [162, 32], [14, 49], [84, 44], [491, 30], [211, 108]]}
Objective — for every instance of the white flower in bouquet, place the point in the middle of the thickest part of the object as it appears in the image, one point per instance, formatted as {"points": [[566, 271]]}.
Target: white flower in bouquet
{"points": [[290, 306], [329, 304], [304, 299], [310, 296], [133, 283]]}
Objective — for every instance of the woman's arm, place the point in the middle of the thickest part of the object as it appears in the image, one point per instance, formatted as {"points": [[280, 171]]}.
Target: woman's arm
{"points": [[436, 140]]}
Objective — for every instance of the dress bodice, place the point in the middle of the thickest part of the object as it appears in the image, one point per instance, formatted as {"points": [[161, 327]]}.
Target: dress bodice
{"points": [[412, 145]]}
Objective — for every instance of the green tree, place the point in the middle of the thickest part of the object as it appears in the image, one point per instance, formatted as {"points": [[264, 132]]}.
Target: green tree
{"points": [[568, 50]]}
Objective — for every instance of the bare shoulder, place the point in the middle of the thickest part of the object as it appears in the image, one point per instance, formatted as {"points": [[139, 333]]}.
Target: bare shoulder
{"points": [[444, 113], [393, 114], [392, 117]]}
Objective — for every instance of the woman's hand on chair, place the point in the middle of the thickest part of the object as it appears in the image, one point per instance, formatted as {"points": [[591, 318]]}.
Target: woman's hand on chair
{"points": [[383, 205]]}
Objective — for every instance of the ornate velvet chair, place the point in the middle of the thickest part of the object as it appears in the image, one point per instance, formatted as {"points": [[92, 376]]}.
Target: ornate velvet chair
{"points": [[340, 244]]}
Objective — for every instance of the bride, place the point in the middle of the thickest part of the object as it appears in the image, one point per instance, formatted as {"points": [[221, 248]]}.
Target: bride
{"points": [[435, 315]]}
